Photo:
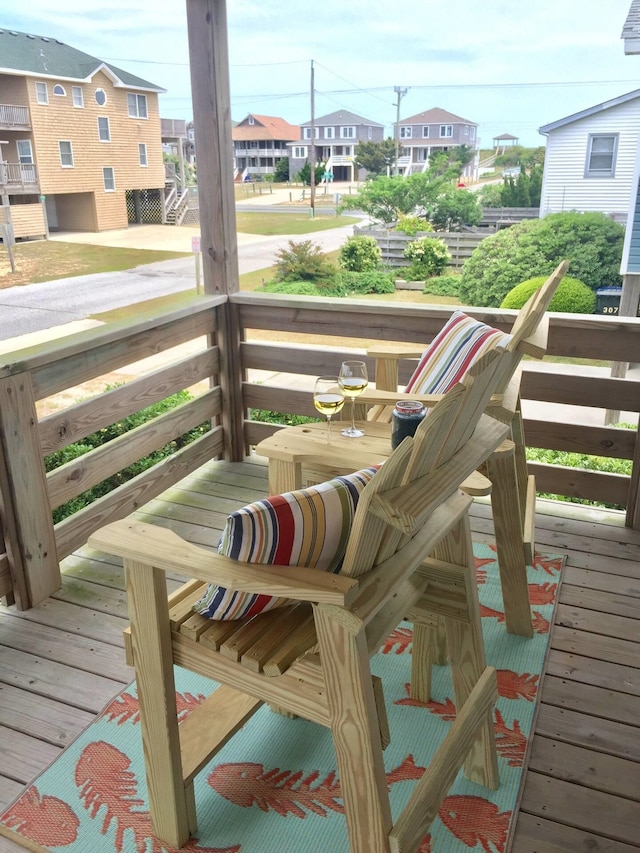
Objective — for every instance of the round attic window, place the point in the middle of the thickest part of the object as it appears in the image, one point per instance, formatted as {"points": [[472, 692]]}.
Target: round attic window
{"points": [[101, 97]]}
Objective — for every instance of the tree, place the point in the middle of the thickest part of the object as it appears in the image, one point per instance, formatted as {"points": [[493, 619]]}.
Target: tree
{"points": [[375, 157], [189, 170], [591, 241], [304, 175], [281, 170], [453, 208]]}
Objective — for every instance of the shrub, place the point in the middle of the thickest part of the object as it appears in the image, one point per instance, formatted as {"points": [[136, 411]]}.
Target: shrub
{"points": [[303, 261], [292, 288], [359, 254], [454, 208], [96, 439], [374, 281], [412, 225], [443, 285], [491, 195], [428, 257], [572, 296], [591, 241]]}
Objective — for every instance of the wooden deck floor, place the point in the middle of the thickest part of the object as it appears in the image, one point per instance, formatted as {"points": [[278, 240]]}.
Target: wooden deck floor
{"points": [[61, 662]]}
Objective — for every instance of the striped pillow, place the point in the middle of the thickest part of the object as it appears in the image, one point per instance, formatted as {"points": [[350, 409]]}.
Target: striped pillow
{"points": [[452, 352], [309, 527]]}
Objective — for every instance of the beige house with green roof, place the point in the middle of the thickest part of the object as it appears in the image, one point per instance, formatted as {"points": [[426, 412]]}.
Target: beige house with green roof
{"points": [[80, 140]]}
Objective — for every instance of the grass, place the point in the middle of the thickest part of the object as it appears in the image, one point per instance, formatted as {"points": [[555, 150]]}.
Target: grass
{"points": [[47, 260], [277, 224]]}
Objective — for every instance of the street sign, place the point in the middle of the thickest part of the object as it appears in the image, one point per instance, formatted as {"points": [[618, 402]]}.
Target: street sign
{"points": [[195, 244]]}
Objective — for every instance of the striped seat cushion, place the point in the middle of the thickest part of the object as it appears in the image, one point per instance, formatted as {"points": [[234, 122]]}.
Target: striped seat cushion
{"points": [[460, 343], [309, 527]]}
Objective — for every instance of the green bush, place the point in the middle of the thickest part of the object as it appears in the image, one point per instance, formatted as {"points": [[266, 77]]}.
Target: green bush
{"points": [[102, 436], [269, 417], [303, 261], [443, 285], [453, 208], [374, 281], [292, 288], [571, 297], [591, 241], [428, 256], [359, 254], [412, 225]]}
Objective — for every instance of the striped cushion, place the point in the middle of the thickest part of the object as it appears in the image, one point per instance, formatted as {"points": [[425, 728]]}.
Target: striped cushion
{"points": [[452, 352], [309, 527]]}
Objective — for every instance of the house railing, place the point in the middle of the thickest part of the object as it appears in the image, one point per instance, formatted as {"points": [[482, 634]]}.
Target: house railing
{"points": [[14, 116], [230, 358], [19, 175]]}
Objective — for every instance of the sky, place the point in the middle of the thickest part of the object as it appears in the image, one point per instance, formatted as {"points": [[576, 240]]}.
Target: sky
{"points": [[508, 66]]}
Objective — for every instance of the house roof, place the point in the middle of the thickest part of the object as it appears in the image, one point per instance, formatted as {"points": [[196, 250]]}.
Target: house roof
{"points": [[606, 105], [265, 127], [631, 29], [343, 117], [44, 57], [436, 116], [505, 136]]}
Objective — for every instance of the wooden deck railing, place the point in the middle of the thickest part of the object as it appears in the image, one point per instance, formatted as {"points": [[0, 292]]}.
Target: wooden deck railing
{"points": [[225, 341]]}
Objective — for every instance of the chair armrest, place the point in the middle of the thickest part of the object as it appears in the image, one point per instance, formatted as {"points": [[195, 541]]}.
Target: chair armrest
{"points": [[395, 351], [163, 549], [378, 397]]}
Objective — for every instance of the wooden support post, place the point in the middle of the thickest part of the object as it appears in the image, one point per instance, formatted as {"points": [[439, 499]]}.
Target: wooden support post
{"points": [[28, 525], [628, 308], [208, 49]]}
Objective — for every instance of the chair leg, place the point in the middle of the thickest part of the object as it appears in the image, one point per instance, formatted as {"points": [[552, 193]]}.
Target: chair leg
{"points": [[467, 656], [171, 803], [355, 729], [507, 523]]}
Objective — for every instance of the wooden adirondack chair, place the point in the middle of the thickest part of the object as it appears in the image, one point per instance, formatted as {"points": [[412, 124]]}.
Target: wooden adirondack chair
{"points": [[311, 657], [513, 492]]}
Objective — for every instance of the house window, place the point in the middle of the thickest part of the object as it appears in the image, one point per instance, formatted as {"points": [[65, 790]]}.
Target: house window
{"points": [[300, 152], [59, 90], [78, 98], [66, 154], [425, 132], [473, 133], [109, 179], [405, 132], [370, 133], [191, 134], [42, 95], [446, 130], [601, 155], [137, 105], [101, 97], [347, 132], [329, 132], [251, 120], [25, 152], [142, 153], [104, 134]]}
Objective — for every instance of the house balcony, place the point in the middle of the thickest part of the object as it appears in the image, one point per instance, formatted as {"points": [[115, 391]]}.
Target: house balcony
{"points": [[173, 128], [19, 178], [69, 607], [14, 117]]}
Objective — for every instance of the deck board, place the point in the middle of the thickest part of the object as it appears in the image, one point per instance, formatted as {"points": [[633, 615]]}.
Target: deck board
{"points": [[581, 794]]}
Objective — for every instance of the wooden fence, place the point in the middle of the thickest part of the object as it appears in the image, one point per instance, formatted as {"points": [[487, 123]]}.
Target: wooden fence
{"points": [[236, 355], [461, 244]]}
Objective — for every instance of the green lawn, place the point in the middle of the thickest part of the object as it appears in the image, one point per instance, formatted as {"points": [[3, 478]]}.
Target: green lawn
{"points": [[296, 222]]}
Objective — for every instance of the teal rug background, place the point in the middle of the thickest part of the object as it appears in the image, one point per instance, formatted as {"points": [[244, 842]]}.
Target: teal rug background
{"points": [[274, 787]]}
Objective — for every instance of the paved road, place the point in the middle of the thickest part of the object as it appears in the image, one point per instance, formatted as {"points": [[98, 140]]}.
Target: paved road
{"points": [[35, 307]]}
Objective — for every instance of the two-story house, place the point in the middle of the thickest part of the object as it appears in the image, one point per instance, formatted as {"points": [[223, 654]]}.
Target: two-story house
{"points": [[431, 131], [335, 139], [80, 139], [259, 142]]}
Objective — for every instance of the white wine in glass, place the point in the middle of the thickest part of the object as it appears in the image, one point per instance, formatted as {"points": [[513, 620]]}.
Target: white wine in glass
{"points": [[353, 380], [328, 398]]}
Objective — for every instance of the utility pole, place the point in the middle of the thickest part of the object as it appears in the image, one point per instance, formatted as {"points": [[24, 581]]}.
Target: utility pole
{"points": [[400, 92], [312, 148]]}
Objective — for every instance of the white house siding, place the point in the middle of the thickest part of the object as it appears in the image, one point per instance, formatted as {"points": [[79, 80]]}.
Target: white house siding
{"points": [[564, 186]]}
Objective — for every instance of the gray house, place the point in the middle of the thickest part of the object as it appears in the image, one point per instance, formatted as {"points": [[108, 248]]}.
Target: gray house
{"points": [[434, 130], [335, 137]]}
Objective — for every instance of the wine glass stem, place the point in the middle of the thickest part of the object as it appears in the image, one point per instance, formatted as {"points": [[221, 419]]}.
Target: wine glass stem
{"points": [[328, 427], [353, 413]]}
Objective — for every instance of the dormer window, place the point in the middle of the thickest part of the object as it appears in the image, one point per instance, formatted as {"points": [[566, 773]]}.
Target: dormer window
{"points": [[252, 120]]}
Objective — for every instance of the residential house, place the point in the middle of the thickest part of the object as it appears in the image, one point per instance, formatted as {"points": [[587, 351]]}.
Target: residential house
{"points": [[259, 142], [80, 139], [590, 158], [432, 131], [630, 267], [336, 136]]}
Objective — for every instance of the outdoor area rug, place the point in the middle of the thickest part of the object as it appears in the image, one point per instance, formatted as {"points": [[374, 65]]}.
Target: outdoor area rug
{"points": [[274, 788]]}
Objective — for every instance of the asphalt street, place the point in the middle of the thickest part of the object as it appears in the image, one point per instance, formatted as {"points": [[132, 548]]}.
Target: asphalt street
{"points": [[35, 307]]}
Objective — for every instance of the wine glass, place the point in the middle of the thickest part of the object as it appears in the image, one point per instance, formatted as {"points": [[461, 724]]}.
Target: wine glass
{"points": [[328, 398], [353, 380]]}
